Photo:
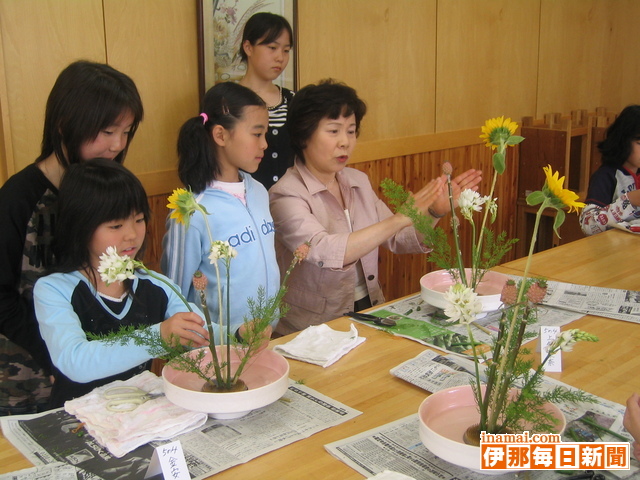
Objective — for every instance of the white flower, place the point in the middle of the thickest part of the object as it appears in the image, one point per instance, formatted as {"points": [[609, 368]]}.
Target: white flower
{"points": [[221, 249], [115, 268], [470, 201], [567, 339], [463, 303]]}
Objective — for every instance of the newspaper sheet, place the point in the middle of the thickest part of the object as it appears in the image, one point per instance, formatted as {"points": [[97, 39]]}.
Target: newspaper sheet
{"points": [[604, 302], [423, 323], [214, 447], [52, 471], [397, 446]]}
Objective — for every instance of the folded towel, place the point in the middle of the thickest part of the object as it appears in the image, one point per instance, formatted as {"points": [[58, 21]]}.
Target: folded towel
{"points": [[122, 432], [320, 344]]}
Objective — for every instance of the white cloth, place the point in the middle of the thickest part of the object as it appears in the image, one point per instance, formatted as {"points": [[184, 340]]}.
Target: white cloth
{"points": [[122, 432], [320, 344]]}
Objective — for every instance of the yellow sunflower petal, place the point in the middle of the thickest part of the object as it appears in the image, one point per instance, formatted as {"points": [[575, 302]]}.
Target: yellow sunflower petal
{"points": [[182, 202], [555, 187], [496, 131]]}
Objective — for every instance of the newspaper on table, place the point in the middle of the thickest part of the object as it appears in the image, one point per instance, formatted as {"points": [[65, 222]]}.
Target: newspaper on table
{"points": [[603, 302], [425, 324], [563, 303], [216, 446], [52, 471], [397, 445]]}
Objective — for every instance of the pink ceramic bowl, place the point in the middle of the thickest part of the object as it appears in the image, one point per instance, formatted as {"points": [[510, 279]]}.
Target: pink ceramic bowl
{"points": [[266, 376], [433, 286]]}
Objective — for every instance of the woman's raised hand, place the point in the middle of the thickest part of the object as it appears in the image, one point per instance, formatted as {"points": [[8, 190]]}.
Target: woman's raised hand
{"points": [[428, 194], [466, 180]]}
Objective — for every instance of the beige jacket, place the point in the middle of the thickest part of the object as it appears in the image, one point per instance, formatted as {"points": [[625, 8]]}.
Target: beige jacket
{"points": [[322, 288]]}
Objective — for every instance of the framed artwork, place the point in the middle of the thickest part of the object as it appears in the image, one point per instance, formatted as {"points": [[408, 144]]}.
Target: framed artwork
{"points": [[220, 26]]}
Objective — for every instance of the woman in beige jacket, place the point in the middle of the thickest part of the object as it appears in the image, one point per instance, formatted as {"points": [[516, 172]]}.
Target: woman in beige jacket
{"points": [[334, 207]]}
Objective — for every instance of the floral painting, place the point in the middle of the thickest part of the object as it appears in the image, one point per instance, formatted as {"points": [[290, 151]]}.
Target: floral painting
{"points": [[222, 25]]}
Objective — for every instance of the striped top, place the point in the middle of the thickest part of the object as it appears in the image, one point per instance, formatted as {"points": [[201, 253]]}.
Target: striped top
{"points": [[278, 113]]}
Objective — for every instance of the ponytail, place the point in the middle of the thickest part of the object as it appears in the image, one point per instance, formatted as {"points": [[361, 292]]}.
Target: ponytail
{"points": [[198, 163], [223, 105]]}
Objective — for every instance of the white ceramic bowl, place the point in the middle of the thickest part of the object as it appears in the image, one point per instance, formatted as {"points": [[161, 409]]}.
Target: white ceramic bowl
{"points": [[433, 286], [267, 379], [444, 417]]}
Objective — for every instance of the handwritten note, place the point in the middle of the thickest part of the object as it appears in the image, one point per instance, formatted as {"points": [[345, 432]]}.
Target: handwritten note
{"points": [[548, 335], [169, 460]]}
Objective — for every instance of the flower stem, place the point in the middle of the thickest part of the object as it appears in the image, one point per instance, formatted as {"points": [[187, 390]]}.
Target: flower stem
{"points": [[455, 224], [478, 248], [228, 266], [169, 284], [516, 309], [212, 342], [478, 390], [220, 310]]}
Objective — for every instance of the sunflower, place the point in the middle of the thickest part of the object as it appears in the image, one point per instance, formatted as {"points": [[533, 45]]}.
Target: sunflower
{"points": [[183, 204], [553, 189], [496, 131]]}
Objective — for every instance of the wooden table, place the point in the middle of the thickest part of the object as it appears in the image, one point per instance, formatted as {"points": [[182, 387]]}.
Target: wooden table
{"points": [[362, 380]]}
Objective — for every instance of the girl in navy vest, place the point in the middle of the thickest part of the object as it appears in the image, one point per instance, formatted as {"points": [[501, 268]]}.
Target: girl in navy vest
{"points": [[103, 205]]}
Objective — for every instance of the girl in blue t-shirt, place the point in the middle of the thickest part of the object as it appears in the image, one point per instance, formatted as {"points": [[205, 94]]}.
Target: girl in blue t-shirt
{"points": [[103, 205], [215, 149]]}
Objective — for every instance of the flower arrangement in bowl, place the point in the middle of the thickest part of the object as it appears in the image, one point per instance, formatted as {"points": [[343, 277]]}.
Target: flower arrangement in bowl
{"points": [[506, 388], [221, 368]]}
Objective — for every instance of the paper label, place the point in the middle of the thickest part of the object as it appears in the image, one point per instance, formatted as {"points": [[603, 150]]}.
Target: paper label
{"points": [[169, 460], [548, 335]]}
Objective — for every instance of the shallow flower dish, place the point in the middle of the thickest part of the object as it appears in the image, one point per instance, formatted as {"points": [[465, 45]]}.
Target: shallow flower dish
{"points": [[445, 416], [266, 377], [435, 284]]}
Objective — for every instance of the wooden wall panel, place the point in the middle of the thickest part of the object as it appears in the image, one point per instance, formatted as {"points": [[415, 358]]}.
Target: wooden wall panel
{"points": [[155, 230], [486, 61], [39, 38], [573, 36], [385, 50], [156, 43], [621, 65]]}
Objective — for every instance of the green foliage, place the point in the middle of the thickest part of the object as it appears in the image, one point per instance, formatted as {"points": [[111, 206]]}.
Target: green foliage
{"points": [[535, 198], [559, 220], [402, 202], [499, 163], [524, 410], [263, 310], [514, 140], [494, 247]]}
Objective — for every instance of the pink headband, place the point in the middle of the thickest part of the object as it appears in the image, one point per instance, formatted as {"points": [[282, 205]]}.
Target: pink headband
{"points": [[205, 118]]}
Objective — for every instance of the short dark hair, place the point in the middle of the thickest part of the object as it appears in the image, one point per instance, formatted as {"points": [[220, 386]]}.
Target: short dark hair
{"points": [[224, 105], [616, 147], [86, 98], [92, 193], [328, 99], [265, 28]]}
